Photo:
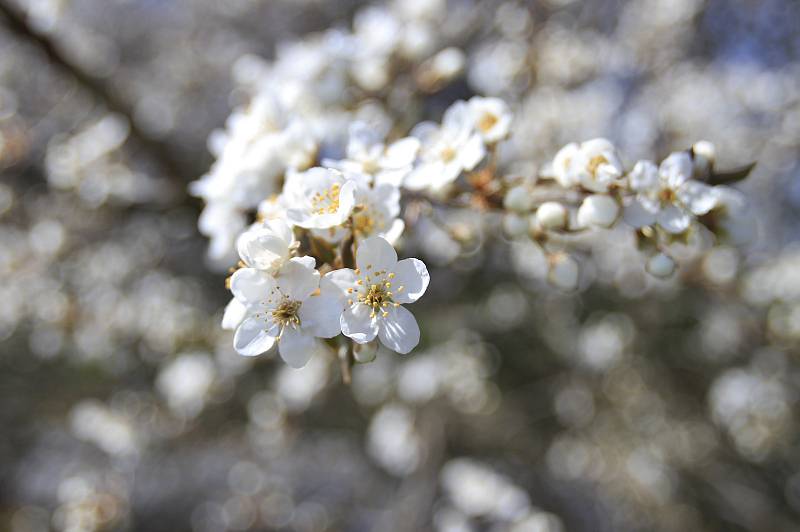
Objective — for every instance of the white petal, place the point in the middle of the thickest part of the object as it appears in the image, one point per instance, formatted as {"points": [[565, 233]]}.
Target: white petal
{"points": [[297, 281], [235, 312], [423, 176], [636, 215], [472, 152], [251, 286], [251, 339], [320, 315], [395, 231], [399, 330], [457, 117], [673, 219], [644, 176], [676, 169], [413, 276], [296, 346], [281, 228], [262, 249], [401, 153], [357, 324], [697, 197], [342, 283], [362, 138], [375, 253]]}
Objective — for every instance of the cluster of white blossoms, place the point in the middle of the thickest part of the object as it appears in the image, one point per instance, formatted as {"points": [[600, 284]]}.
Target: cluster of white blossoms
{"points": [[328, 160], [320, 259]]}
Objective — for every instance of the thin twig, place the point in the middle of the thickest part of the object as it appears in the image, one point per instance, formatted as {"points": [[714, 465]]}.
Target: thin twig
{"points": [[14, 20]]}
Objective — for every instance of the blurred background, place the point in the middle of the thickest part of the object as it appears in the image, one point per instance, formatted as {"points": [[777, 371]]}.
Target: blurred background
{"points": [[633, 405]]}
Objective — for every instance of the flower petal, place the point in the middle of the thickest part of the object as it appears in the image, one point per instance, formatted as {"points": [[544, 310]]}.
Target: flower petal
{"points": [[297, 280], [296, 346], [399, 330], [697, 197], [637, 215], [676, 169], [644, 176], [412, 275], [235, 312], [673, 219], [251, 286], [341, 283], [320, 315], [472, 152], [374, 254], [251, 339], [357, 324], [401, 153], [262, 249]]}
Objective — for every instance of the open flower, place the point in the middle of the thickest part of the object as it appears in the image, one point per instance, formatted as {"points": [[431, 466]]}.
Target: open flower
{"points": [[289, 309], [593, 164], [447, 150], [367, 154], [492, 118], [266, 246], [667, 195], [374, 292], [318, 198]]}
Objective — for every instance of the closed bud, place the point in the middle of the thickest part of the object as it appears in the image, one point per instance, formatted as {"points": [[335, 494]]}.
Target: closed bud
{"points": [[552, 215], [661, 265], [598, 210], [704, 155], [518, 199], [364, 353]]}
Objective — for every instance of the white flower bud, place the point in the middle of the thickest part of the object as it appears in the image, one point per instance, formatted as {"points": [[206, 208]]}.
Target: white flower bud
{"points": [[518, 199], [598, 210], [704, 156], [564, 272], [661, 265], [552, 215], [515, 225], [364, 353]]}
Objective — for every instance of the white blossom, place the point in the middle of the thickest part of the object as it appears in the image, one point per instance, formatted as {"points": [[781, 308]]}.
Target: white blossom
{"points": [[318, 198], [374, 294], [667, 195], [594, 165], [492, 118], [290, 309], [369, 155], [447, 150]]}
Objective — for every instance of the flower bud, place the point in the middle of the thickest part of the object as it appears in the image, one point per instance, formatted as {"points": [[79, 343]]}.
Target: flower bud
{"points": [[364, 353], [552, 215], [564, 272], [661, 265], [598, 210], [515, 225], [518, 199], [703, 161]]}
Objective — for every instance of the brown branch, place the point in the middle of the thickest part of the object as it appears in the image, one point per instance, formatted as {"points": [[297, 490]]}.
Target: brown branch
{"points": [[14, 20]]}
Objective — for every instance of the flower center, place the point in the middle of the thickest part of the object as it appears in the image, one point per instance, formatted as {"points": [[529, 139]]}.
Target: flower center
{"points": [[594, 164], [376, 292], [365, 222], [448, 154], [487, 122], [287, 313], [327, 201], [667, 195], [370, 166]]}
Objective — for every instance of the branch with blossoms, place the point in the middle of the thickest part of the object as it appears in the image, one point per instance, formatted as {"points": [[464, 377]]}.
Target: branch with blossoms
{"points": [[318, 271]]}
